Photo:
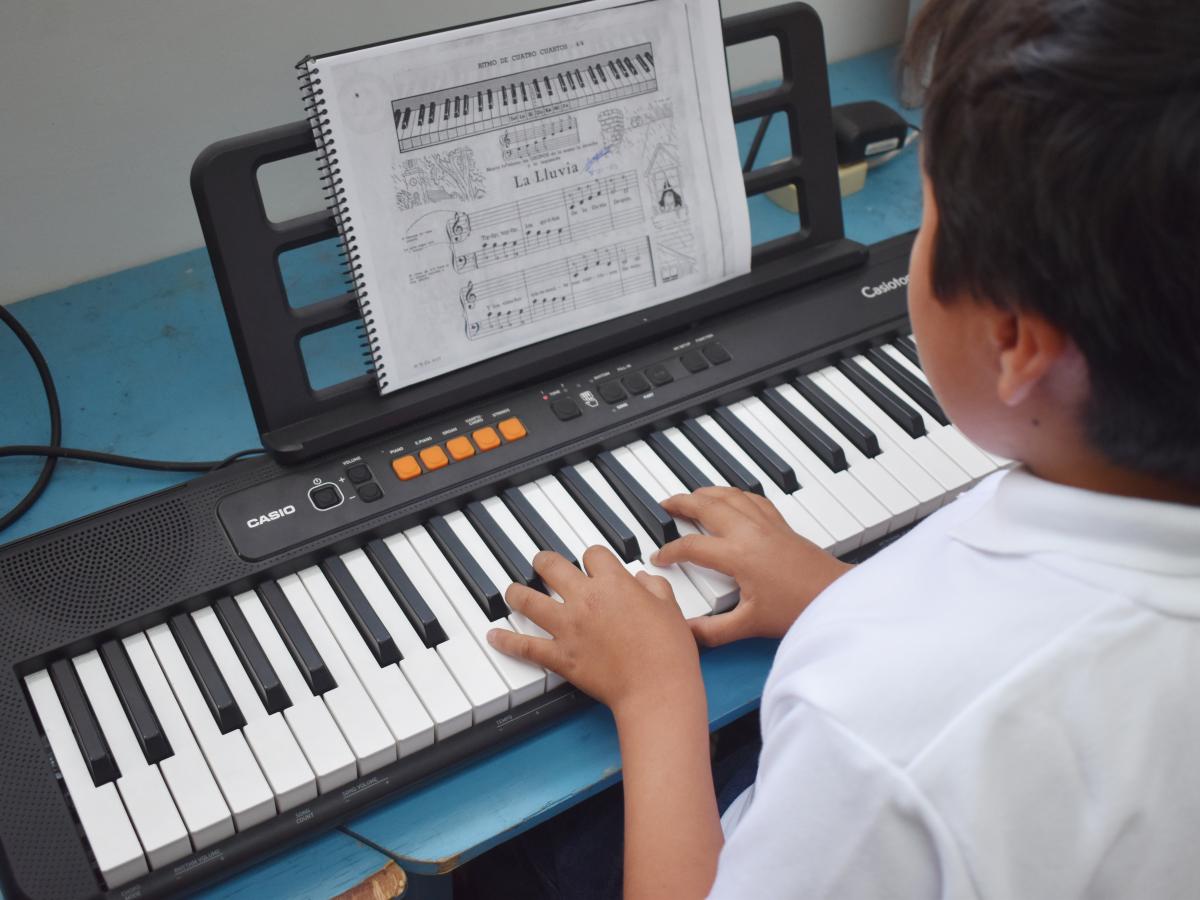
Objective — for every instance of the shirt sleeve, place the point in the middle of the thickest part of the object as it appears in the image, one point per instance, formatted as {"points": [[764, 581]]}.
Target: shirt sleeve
{"points": [[830, 817]]}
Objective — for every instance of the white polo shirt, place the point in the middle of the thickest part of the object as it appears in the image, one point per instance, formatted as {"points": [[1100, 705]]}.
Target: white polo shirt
{"points": [[1005, 703]]}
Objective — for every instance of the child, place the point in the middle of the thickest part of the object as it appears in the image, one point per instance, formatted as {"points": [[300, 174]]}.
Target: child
{"points": [[1001, 704]]}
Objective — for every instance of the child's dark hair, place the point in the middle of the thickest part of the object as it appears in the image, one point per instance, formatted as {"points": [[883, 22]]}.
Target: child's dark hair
{"points": [[1062, 142]]}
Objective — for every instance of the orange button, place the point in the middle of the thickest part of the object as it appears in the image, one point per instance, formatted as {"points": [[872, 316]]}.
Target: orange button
{"points": [[406, 467], [434, 457], [512, 429], [486, 438], [460, 447]]}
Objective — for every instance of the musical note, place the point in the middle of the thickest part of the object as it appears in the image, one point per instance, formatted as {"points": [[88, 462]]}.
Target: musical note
{"points": [[574, 282]]}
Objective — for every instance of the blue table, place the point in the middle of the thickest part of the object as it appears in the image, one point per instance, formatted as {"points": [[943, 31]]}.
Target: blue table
{"points": [[145, 366]]}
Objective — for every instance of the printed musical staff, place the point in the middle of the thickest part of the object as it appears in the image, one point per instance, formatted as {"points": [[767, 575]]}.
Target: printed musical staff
{"points": [[537, 138], [552, 219], [576, 281], [545, 92]]}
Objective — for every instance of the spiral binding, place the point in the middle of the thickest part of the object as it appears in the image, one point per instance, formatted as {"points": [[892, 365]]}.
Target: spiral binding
{"points": [[330, 175]]}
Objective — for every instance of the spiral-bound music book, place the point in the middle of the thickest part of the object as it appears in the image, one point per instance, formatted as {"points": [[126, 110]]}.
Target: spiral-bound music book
{"points": [[505, 182]]}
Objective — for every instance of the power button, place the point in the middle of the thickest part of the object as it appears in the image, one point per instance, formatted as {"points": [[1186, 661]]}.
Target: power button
{"points": [[326, 496]]}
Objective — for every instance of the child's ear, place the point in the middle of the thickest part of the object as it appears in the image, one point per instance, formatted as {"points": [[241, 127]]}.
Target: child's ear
{"points": [[1027, 347]]}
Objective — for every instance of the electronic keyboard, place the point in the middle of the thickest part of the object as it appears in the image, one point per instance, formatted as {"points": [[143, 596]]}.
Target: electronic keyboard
{"points": [[199, 677]]}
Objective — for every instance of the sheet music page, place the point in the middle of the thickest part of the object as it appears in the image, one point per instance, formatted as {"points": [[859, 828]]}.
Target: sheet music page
{"points": [[519, 179]]}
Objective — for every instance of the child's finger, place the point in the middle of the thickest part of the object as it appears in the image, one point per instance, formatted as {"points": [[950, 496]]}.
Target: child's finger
{"points": [[713, 631], [537, 650], [599, 560], [656, 584], [701, 549], [558, 574], [542, 610], [711, 510]]}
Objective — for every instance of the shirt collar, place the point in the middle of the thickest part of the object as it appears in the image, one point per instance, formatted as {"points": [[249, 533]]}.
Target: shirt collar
{"points": [[1028, 516]]}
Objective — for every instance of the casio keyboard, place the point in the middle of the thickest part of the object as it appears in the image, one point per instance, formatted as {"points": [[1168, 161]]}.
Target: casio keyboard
{"points": [[202, 676]]}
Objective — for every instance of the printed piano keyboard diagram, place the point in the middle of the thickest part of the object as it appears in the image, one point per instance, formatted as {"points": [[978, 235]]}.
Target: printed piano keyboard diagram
{"points": [[554, 90]]}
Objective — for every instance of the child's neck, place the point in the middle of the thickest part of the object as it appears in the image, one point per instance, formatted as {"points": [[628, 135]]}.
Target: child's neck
{"points": [[1091, 472]]}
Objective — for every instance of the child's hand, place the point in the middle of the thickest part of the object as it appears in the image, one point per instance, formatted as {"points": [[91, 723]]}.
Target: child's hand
{"points": [[778, 571], [618, 638]]}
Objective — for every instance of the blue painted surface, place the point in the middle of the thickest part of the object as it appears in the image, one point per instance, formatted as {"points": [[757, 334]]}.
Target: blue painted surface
{"points": [[145, 366]]}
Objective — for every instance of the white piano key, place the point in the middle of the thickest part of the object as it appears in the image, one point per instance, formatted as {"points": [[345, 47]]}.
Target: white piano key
{"points": [[524, 680], [360, 723], [902, 360], [521, 623], [109, 832], [491, 567], [387, 687], [872, 519], [440, 694], [320, 739], [797, 517], [478, 678], [921, 450], [690, 602], [270, 740], [155, 819], [883, 487], [242, 784], [947, 438], [688, 597], [839, 542], [196, 794], [718, 589], [930, 495]]}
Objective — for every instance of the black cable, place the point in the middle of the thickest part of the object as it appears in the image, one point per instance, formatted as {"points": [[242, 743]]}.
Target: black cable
{"points": [[43, 478], [756, 143], [55, 451], [132, 462]]}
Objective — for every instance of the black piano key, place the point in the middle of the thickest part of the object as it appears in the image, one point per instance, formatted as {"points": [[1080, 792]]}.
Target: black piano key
{"points": [[408, 598], [692, 478], [549, 87], [517, 567], [906, 340], [298, 641], [858, 434], [600, 69], [421, 115], [592, 75], [632, 68], [578, 79], [88, 736], [512, 92], [457, 106], [824, 447], [731, 470], [649, 513], [208, 677], [537, 88], [893, 407], [366, 620], [562, 82], [642, 61], [649, 56], [254, 659], [916, 389], [478, 585], [767, 459], [146, 727], [407, 114], [539, 532], [504, 95], [571, 80], [489, 90], [446, 110], [524, 94], [479, 101], [612, 68], [606, 520]]}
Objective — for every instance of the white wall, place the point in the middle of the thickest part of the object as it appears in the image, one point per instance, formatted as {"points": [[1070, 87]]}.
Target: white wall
{"points": [[105, 103]]}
